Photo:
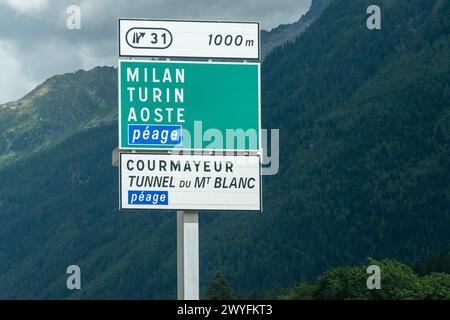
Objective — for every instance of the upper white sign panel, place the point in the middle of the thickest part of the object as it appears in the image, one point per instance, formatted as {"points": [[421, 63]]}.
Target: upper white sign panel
{"points": [[189, 39]]}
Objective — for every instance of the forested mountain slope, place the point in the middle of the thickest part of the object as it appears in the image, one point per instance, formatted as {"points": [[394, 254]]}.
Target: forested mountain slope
{"points": [[364, 118]]}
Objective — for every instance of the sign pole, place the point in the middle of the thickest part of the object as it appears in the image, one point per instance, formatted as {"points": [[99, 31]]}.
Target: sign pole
{"points": [[187, 255]]}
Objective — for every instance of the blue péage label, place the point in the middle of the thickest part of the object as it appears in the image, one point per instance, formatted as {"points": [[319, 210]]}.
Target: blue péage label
{"points": [[138, 197], [154, 134]]}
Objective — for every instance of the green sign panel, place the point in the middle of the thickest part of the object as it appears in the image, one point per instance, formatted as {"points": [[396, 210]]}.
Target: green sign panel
{"points": [[189, 105]]}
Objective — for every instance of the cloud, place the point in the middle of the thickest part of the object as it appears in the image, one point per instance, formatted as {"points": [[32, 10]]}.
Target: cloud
{"points": [[12, 72], [27, 6], [37, 44]]}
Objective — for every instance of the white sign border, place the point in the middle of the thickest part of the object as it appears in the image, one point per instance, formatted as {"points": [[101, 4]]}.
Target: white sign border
{"points": [[189, 57]]}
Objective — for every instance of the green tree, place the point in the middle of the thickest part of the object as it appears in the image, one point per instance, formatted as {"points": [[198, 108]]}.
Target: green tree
{"points": [[218, 288], [435, 286], [398, 282]]}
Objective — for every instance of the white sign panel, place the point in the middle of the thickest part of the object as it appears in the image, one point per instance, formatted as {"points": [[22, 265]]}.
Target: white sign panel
{"points": [[189, 39], [190, 182]]}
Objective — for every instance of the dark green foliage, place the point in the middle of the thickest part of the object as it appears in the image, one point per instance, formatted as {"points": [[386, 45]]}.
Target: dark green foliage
{"points": [[303, 291], [218, 288], [433, 262], [288, 32], [365, 148], [435, 286], [437, 262]]}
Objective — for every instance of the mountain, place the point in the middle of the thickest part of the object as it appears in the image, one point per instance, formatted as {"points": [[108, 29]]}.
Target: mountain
{"points": [[364, 120], [62, 104], [287, 32]]}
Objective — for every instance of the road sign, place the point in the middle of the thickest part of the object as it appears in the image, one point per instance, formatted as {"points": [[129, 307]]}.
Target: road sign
{"points": [[189, 105], [190, 182], [189, 39], [171, 106]]}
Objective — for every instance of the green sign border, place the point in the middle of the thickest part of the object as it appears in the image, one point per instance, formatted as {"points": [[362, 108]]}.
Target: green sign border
{"points": [[177, 148]]}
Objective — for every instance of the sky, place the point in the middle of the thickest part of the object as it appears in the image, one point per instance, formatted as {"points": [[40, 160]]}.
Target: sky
{"points": [[36, 44]]}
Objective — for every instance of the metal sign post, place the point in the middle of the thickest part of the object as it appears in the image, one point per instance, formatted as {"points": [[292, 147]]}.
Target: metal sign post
{"points": [[187, 256]]}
